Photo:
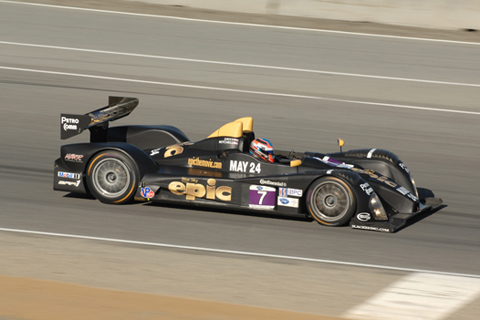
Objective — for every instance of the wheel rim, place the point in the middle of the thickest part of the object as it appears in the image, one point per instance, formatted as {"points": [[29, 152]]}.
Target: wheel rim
{"points": [[331, 201], [111, 178]]}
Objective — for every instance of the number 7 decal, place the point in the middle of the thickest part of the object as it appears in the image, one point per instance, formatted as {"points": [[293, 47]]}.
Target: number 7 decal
{"points": [[261, 197], [263, 193]]}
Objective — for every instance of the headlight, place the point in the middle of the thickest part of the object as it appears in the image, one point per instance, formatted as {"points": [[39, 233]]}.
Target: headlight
{"points": [[376, 207]]}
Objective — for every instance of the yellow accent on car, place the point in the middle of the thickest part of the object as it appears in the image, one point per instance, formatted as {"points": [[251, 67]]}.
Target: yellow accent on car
{"points": [[247, 124], [234, 129], [295, 163], [231, 130]]}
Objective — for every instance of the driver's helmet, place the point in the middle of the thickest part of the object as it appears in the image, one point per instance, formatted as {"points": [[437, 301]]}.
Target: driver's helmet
{"points": [[263, 149]]}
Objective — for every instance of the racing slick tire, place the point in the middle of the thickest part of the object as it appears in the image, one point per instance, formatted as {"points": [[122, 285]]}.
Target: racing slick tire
{"points": [[112, 177], [331, 201]]}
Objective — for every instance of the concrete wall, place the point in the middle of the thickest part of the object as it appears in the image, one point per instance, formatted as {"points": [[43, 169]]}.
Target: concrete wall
{"points": [[437, 14]]}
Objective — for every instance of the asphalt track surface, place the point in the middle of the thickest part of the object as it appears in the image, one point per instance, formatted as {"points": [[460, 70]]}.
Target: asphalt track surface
{"points": [[304, 88]]}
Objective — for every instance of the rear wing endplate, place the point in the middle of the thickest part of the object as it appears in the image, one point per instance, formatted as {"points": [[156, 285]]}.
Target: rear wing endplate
{"points": [[97, 120]]}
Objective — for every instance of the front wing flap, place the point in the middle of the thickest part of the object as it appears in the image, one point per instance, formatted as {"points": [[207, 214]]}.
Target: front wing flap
{"points": [[398, 221]]}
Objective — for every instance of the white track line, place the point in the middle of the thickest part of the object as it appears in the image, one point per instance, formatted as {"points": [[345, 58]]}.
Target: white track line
{"points": [[247, 65], [418, 296], [244, 253], [240, 23], [275, 94]]}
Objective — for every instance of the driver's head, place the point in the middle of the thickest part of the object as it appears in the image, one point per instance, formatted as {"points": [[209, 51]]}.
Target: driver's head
{"points": [[263, 149]]}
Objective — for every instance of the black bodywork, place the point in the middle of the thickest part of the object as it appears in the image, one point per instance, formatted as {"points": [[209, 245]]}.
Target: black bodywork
{"points": [[369, 189]]}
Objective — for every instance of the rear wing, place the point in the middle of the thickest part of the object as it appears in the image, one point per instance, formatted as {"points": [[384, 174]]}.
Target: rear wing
{"points": [[97, 120]]}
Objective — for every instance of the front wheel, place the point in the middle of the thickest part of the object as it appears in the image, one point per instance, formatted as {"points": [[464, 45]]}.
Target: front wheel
{"points": [[330, 201], [112, 177]]}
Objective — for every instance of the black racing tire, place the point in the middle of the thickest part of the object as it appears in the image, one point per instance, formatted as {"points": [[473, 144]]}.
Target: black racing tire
{"points": [[331, 202], [112, 177]]}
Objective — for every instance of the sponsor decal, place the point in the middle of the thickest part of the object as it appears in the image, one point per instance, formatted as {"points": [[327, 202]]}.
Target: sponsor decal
{"points": [[356, 226], [73, 124], [155, 151], [204, 163], [404, 167], [288, 202], [147, 193], [204, 173], [69, 123], [74, 157], [411, 196], [261, 197], [192, 190], [69, 175], [385, 180], [273, 183], [407, 193], [364, 216], [402, 190], [174, 150], [69, 183], [334, 163], [284, 192], [372, 175], [366, 187], [229, 141], [245, 166]]}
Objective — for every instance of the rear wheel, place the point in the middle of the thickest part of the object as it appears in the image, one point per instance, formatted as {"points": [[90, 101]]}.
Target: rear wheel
{"points": [[112, 177], [330, 201]]}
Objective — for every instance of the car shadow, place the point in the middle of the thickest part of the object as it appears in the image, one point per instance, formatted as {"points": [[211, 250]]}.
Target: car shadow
{"points": [[73, 195], [242, 211]]}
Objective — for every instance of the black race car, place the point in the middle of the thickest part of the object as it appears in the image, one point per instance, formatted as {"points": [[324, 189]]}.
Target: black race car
{"points": [[369, 189]]}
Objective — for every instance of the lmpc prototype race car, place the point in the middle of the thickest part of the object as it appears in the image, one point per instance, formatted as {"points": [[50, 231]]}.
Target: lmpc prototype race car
{"points": [[369, 189]]}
